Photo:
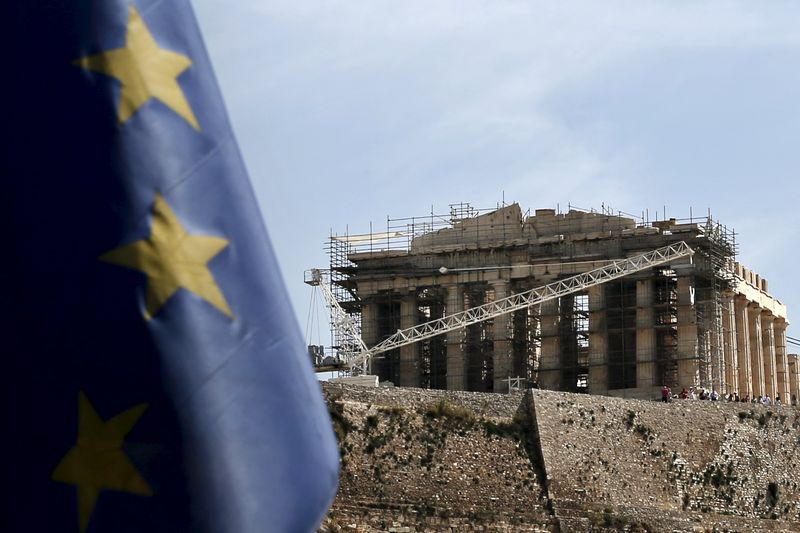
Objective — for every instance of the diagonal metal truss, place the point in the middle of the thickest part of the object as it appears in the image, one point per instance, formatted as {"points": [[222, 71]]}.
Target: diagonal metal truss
{"points": [[359, 362]]}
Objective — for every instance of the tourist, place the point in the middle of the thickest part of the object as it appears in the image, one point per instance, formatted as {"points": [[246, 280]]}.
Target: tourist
{"points": [[665, 394]]}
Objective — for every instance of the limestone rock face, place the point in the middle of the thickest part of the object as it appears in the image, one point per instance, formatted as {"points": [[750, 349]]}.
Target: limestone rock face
{"points": [[423, 460]]}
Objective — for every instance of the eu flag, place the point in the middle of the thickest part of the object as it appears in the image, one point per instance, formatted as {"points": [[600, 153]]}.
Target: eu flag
{"points": [[153, 375]]}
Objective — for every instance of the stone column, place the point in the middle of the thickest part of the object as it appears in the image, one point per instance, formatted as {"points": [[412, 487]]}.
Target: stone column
{"points": [[718, 382], [768, 350], [409, 354], [794, 377], [729, 344], [688, 362], [550, 360], [756, 348], [781, 360], [501, 340], [598, 341], [369, 332], [369, 323], [456, 358], [645, 336], [743, 347]]}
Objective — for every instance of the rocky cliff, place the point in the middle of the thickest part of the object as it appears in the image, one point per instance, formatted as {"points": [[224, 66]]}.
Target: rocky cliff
{"points": [[422, 460]]}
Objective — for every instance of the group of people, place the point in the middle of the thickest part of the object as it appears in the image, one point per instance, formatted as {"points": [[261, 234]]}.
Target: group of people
{"points": [[702, 394]]}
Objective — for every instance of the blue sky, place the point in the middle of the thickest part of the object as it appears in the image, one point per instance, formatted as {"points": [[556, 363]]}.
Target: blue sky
{"points": [[351, 111]]}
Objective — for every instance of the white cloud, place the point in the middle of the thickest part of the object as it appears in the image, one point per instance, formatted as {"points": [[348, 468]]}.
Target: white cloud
{"points": [[351, 110]]}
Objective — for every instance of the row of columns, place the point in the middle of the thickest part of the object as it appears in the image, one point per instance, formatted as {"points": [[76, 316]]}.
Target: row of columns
{"points": [[749, 354], [502, 345], [647, 378], [409, 374], [754, 348]]}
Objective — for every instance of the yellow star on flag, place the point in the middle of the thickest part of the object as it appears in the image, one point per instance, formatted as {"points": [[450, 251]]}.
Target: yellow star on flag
{"points": [[145, 71], [172, 259], [97, 461]]}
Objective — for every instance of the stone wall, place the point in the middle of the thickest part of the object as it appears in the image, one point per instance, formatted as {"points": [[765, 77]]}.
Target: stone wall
{"points": [[422, 460], [434, 460], [718, 464]]}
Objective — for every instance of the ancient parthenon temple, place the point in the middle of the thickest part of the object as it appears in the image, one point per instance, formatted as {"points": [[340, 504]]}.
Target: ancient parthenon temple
{"points": [[707, 321]]}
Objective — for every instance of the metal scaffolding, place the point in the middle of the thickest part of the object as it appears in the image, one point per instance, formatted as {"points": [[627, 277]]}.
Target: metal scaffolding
{"points": [[469, 244]]}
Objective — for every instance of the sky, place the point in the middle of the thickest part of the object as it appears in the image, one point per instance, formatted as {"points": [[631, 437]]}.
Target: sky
{"points": [[349, 111]]}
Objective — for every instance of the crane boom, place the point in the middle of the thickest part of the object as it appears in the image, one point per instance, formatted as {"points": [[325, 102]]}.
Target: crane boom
{"points": [[614, 270]]}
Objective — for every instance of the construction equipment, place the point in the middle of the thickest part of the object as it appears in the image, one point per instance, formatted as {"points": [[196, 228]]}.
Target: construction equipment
{"points": [[341, 320], [357, 355]]}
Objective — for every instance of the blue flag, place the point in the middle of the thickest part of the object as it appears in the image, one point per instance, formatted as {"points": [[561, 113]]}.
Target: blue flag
{"points": [[153, 377]]}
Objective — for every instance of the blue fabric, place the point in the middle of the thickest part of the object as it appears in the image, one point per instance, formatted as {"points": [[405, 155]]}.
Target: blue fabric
{"points": [[235, 437]]}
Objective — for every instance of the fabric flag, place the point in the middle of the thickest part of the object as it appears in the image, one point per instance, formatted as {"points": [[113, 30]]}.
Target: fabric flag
{"points": [[153, 374]]}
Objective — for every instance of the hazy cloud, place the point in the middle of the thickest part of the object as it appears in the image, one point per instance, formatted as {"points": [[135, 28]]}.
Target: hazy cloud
{"points": [[349, 111]]}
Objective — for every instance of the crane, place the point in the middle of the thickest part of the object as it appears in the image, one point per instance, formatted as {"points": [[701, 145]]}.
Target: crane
{"points": [[357, 355]]}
